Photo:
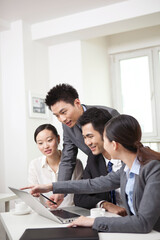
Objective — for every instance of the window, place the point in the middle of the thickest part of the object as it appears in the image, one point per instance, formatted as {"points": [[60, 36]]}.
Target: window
{"points": [[135, 87]]}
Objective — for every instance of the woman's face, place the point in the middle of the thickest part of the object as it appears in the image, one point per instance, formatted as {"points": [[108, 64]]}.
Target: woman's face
{"points": [[108, 146], [47, 142]]}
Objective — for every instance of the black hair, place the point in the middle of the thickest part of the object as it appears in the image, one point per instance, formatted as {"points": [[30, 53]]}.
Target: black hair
{"points": [[61, 92], [45, 126], [97, 117], [126, 130]]}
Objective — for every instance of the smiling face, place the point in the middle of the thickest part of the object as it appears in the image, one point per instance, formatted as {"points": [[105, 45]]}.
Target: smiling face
{"points": [[47, 142], [67, 113], [92, 139], [110, 147]]}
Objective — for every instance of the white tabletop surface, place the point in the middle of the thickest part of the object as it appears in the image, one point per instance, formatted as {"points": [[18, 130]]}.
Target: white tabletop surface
{"points": [[15, 225]]}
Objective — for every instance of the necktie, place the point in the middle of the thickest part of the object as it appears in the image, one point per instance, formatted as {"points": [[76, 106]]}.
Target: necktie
{"points": [[113, 194]]}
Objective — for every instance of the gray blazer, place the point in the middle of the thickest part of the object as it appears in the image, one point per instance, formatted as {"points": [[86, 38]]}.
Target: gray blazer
{"points": [[146, 198], [72, 141]]}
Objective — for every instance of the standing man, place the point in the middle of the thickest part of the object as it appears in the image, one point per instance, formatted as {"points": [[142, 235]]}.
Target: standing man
{"points": [[63, 101], [93, 122]]}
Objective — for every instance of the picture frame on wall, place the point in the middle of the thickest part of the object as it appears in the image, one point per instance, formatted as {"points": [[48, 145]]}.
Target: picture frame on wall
{"points": [[37, 106]]}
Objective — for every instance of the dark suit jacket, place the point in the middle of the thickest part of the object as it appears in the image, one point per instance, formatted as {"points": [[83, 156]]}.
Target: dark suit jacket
{"points": [[72, 141], [95, 167]]}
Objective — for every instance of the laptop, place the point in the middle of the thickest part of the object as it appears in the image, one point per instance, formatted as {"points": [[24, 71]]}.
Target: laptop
{"points": [[77, 233], [57, 215]]}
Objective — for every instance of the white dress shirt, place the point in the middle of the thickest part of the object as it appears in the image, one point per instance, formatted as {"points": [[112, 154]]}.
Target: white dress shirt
{"points": [[41, 173]]}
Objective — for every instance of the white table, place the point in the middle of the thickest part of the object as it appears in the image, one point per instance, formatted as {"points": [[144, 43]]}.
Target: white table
{"points": [[6, 198], [15, 225]]}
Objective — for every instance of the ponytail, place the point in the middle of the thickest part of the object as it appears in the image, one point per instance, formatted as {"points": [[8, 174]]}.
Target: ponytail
{"points": [[145, 154]]}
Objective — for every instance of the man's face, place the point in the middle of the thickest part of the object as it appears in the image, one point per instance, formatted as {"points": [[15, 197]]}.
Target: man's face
{"points": [[92, 139], [67, 113]]}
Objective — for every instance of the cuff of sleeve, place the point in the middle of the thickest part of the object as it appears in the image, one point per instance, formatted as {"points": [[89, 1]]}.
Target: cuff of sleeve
{"points": [[65, 194], [99, 204]]}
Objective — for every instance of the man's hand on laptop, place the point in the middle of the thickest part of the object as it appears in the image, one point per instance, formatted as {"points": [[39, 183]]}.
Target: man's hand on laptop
{"points": [[58, 198], [36, 190]]}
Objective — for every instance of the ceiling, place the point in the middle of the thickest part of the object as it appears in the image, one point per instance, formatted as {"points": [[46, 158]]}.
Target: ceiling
{"points": [[34, 11], [41, 11]]}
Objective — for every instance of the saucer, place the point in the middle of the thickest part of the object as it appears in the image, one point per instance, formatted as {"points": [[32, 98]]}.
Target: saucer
{"points": [[23, 212]]}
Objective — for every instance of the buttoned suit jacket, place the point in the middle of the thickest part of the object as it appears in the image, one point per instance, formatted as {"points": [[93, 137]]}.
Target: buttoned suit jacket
{"points": [[72, 141], [146, 198], [96, 167]]}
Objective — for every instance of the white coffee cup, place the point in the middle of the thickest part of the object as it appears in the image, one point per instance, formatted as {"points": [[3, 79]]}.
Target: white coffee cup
{"points": [[97, 212], [20, 206]]}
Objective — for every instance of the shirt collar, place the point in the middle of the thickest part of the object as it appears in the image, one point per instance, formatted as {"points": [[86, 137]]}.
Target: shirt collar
{"points": [[134, 169], [84, 108], [43, 162], [107, 160], [113, 161]]}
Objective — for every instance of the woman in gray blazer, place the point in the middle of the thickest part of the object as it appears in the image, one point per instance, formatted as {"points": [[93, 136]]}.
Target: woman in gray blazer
{"points": [[138, 178]]}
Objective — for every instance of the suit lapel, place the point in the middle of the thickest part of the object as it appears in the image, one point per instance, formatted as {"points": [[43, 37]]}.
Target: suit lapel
{"points": [[134, 193], [78, 132], [103, 166], [123, 193]]}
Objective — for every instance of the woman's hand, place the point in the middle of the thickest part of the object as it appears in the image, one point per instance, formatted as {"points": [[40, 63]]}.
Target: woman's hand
{"points": [[82, 221], [37, 189]]}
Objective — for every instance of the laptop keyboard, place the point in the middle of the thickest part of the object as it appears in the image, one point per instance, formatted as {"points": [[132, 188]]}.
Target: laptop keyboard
{"points": [[63, 214]]}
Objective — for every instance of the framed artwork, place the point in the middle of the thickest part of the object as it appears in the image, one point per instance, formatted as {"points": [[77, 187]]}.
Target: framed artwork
{"points": [[37, 106]]}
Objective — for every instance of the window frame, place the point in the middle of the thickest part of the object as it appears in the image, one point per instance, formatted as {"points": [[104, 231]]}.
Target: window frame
{"points": [[154, 75]]}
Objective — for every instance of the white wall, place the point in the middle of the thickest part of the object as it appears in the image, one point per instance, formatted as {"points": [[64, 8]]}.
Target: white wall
{"points": [[65, 67], [24, 67], [143, 38], [2, 187], [95, 68], [36, 71], [13, 109]]}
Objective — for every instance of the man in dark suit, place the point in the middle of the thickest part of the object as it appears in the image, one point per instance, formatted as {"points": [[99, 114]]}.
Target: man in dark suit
{"points": [[93, 122], [63, 101]]}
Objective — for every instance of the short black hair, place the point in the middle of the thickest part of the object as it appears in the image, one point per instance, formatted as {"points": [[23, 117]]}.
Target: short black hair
{"points": [[98, 117], [45, 126], [61, 92]]}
